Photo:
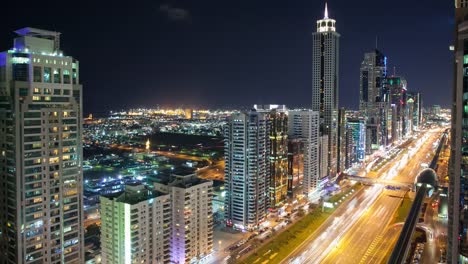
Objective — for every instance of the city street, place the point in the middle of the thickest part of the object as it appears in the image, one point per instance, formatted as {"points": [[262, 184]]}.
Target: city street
{"points": [[352, 240], [365, 233]]}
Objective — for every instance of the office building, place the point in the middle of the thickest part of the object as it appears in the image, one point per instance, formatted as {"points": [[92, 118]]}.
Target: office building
{"points": [[396, 92], [135, 226], [304, 126], [409, 115], [296, 149], [192, 216], [349, 147], [372, 79], [323, 154], [247, 170], [341, 157], [457, 248], [41, 217], [325, 84], [278, 129], [416, 114], [357, 128]]}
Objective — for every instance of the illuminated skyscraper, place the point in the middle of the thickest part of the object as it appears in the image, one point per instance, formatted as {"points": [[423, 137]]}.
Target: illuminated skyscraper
{"points": [[247, 157], [41, 217], [325, 83], [373, 74], [341, 140], [416, 114], [457, 249], [278, 129], [357, 128], [395, 88]]}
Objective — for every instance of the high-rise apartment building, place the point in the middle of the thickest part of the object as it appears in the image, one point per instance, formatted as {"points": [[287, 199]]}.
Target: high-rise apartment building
{"points": [[325, 83], [135, 226], [372, 78], [457, 249], [41, 217], [247, 157], [304, 125], [192, 216], [278, 129]]}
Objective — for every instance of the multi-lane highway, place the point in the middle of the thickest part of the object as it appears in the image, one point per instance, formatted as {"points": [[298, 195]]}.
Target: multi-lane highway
{"points": [[352, 236], [357, 244]]}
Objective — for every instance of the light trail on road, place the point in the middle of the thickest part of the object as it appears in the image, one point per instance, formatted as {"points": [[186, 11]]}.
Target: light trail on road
{"points": [[320, 247]]}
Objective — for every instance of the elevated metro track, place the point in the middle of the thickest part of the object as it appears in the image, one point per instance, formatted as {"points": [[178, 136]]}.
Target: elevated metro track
{"points": [[426, 183]]}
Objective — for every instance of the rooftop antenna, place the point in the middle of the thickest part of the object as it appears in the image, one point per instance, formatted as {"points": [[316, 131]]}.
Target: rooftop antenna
{"points": [[394, 70], [326, 11], [376, 41]]}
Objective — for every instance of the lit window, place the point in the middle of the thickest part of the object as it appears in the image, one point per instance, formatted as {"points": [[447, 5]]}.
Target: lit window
{"points": [[36, 98], [47, 72], [57, 76], [66, 76], [37, 90]]}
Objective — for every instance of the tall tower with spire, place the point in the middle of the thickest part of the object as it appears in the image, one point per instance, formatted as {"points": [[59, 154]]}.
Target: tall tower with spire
{"points": [[325, 84]]}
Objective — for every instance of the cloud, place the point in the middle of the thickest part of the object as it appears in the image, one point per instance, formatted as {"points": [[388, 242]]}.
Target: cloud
{"points": [[174, 13]]}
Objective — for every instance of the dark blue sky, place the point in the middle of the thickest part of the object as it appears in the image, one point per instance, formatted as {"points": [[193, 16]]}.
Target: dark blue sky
{"points": [[210, 53]]}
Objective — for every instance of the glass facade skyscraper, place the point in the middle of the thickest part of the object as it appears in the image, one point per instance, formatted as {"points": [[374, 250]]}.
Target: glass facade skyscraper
{"points": [[372, 79], [325, 84]]}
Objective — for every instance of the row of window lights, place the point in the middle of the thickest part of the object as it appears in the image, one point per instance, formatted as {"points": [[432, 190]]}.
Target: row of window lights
{"points": [[38, 60], [48, 91]]}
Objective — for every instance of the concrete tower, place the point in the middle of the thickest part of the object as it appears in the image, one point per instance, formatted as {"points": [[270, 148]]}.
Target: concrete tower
{"points": [[247, 157]]}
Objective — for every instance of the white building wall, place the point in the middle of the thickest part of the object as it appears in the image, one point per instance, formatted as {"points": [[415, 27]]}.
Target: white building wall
{"points": [[247, 169], [135, 233], [40, 167], [305, 124], [192, 219]]}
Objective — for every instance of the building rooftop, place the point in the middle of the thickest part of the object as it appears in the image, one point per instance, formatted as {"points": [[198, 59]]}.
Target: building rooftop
{"points": [[36, 32], [133, 194], [37, 41], [182, 180]]}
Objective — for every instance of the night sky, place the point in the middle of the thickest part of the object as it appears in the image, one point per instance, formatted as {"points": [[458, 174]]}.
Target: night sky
{"points": [[206, 53]]}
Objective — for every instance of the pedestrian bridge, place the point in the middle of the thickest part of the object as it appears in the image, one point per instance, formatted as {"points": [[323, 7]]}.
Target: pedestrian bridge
{"points": [[366, 180]]}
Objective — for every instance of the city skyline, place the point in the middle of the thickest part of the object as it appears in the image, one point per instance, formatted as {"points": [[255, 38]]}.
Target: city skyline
{"points": [[210, 59], [313, 175]]}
